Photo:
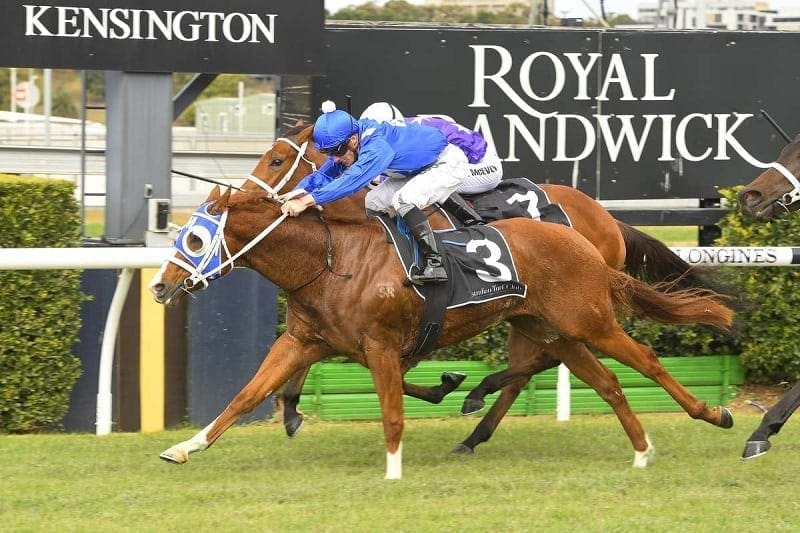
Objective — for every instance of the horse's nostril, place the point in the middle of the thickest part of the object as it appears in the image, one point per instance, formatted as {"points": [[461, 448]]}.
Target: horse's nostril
{"points": [[750, 197]]}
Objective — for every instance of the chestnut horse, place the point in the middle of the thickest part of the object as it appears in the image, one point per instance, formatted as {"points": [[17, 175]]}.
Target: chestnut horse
{"points": [[774, 191], [337, 276], [294, 156]]}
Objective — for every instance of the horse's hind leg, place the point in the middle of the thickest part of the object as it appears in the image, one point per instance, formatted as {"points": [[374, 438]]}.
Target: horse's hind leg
{"points": [[450, 382], [290, 398], [617, 344], [476, 398], [586, 367]]}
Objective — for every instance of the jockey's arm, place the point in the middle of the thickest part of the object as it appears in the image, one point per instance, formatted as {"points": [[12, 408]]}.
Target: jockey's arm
{"points": [[371, 162]]}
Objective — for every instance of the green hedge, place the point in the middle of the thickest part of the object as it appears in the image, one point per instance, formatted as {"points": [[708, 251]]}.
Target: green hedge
{"points": [[40, 314], [767, 301]]}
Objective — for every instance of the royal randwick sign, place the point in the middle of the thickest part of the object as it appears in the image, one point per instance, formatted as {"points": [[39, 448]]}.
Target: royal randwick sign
{"points": [[619, 114], [527, 128], [247, 36]]}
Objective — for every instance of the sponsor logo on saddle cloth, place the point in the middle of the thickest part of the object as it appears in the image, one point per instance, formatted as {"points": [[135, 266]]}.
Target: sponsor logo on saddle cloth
{"points": [[477, 259]]}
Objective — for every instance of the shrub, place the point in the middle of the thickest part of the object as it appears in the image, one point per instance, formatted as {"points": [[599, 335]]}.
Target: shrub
{"points": [[40, 316]]}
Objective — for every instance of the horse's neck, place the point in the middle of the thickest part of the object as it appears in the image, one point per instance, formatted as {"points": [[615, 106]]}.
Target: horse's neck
{"points": [[296, 253]]}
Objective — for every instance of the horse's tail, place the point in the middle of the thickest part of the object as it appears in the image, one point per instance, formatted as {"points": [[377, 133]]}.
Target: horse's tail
{"points": [[650, 260], [663, 304]]}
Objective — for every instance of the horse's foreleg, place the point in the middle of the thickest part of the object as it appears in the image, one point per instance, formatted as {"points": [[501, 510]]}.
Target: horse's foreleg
{"points": [[286, 357], [758, 444], [620, 346], [384, 366]]}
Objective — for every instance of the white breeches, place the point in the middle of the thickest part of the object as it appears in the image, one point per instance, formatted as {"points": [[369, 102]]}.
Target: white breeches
{"points": [[484, 175], [434, 184]]}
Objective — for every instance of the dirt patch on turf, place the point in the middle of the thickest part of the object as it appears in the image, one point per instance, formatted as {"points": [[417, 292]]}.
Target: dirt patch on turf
{"points": [[763, 395]]}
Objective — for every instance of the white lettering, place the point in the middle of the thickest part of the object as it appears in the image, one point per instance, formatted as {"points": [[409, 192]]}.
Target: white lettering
{"points": [[32, 23], [267, 30], [100, 25], [118, 19], [650, 80], [178, 30], [616, 74], [626, 133], [525, 76], [561, 138], [725, 135], [226, 27], [583, 72], [680, 137], [68, 16]]}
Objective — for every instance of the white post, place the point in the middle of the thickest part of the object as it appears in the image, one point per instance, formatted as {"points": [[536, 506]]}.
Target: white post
{"points": [[48, 103], [563, 406], [104, 403], [13, 83]]}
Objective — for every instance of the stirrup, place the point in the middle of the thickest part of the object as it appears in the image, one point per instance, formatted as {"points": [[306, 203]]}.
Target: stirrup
{"points": [[428, 274]]}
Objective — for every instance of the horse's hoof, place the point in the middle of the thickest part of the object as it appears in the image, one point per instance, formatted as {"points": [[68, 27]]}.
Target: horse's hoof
{"points": [[755, 448], [453, 379], [470, 406], [726, 418], [174, 456], [462, 449], [293, 426]]}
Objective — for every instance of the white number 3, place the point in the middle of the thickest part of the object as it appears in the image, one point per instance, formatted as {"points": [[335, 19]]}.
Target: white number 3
{"points": [[493, 260]]}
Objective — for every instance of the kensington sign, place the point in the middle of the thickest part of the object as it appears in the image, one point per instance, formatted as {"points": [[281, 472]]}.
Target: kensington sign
{"points": [[243, 36]]}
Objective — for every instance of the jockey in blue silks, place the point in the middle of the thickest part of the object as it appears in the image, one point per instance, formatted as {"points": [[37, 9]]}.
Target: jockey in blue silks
{"points": [[421, 168], [485, 166]]}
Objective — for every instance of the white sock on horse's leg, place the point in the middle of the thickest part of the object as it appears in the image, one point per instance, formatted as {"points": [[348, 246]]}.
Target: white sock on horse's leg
{"points": [[394, 463]]}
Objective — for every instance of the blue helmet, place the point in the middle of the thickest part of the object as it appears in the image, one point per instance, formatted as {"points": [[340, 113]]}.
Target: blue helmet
{"points": [[333, 128]]}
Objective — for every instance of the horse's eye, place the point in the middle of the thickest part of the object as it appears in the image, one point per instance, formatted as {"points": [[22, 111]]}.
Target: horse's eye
{"points": [[276, 162], [194, 243]]}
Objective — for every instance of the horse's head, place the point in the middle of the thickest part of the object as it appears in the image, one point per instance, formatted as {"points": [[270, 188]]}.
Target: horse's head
{"points": [[204, 251], [290, 159], [200, 252], [776, 190]]}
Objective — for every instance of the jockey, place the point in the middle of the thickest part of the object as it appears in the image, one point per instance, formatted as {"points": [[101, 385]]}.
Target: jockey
{"points": [[421, 168], [485, 166]]}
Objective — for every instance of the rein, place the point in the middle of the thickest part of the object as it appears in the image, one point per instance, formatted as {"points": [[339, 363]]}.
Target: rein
{"points": [[202, 270]]}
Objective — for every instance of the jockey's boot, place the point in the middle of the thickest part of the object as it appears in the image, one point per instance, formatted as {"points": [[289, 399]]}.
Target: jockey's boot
{"points": [[432, 270], [459, 208]]}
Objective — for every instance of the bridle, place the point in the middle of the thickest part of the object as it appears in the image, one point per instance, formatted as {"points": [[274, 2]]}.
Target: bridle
{"points": [[792, 196], [301, 156], [210, 261], [787, 199]]}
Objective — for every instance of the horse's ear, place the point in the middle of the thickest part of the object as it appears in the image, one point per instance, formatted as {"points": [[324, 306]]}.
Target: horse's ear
{"points": [[305, 135], [796, 138], [301, 122], [214, 194], [221, 203]]}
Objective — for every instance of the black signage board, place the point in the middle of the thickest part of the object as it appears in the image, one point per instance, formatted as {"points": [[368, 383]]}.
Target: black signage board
{"points": [[713, 85], [618, 114], [242, 36]]}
